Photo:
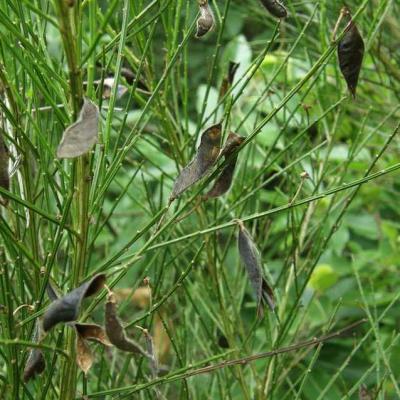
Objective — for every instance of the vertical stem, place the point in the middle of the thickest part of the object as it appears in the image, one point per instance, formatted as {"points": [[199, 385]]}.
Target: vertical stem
{"points": [[69, 18]]}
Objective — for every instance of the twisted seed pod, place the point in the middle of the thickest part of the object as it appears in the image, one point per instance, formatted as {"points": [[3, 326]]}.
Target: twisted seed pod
{"points": [[351, 54], [66, 308], [36, 363], [276, 8], [116, 332], [252, 260], [223, 183], [206, 156], [206, 20]]}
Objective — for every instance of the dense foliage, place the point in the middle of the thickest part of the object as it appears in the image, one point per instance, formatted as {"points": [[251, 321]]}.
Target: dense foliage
{"points": [[126, 246]]}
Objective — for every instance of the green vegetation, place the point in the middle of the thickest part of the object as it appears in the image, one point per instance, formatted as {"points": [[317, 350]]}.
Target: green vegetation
{"points": [[316, 186]]}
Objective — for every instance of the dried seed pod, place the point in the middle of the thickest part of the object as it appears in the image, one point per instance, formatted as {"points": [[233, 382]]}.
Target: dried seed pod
{"points": [[4, 175], [205, 157], [151, 353], [81, 136], [252, 260], [36, 363], [275, 7], [223, 183], [66, 308], [115, 331], [228, 80], [351, 54], [206, 20], [92, 332], [84, 356]]}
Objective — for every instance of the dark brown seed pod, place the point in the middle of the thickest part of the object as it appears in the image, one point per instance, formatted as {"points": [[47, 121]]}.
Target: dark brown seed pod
{"points": [[206, 20], [4, 176], [205, 157], [66, 308], [223, 183], [228, 80], [36, 363], [116, 332], [252, 260], [275, 7], [351, 54]]}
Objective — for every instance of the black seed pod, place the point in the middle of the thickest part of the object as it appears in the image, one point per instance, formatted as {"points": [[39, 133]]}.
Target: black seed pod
{"points": [[275, 7], [351, 54]]}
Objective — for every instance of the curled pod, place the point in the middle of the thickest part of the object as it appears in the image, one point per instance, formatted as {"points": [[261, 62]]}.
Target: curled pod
{"points": [[206, 20], [206, 156], [252, 260], [223, 183], [66, 308], [36, 363], [351, 54], [275, 7], [116, 332]]}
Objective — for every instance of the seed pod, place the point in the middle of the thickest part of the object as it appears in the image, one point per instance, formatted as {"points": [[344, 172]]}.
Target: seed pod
{"points": [[204, 159], [151, 353], [275, 7], [4, 176], [36, 363], [66, 309], [252, 260], [115, 331], [228, 80], [84, 356], [223, 183], [92, 332], [206, 20], [351, 54], [81, 136]]}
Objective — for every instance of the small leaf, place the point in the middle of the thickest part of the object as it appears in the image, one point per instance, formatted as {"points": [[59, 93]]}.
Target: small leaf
{"points": [[275, 7], [84, 356], [81, 136], [66, 309], [92, 332], [228, 80], [206, 20], [4, 175], [351, 54], [223, 183], [115, 330], [252, 260], [206, 155], [36, 363]]}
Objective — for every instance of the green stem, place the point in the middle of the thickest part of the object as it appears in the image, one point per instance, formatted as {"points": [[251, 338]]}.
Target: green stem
{"points": [[68, 18]]}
